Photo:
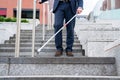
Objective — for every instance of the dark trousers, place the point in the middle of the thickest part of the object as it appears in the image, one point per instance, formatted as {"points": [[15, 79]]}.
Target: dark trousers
{"points": [[64, 11]]}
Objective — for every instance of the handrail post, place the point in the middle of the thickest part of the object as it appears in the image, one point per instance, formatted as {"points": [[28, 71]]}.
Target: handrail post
{"points": [[33, 30], [48, 12], [17, 42], [43, 22], [52, 20]]}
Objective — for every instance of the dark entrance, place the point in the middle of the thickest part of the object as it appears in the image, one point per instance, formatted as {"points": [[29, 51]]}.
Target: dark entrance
{"points": [[3, 12], [27, 13]]}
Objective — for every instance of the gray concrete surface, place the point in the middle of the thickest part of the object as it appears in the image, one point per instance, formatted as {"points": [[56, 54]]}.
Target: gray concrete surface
{"points": [[58, 66]]}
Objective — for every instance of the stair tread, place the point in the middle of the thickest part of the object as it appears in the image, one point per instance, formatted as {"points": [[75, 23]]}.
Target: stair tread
{"points": [[60, 77], [52, 47], [30, 50], [58, 60], [26, 43], [36, 45], [41, 54], [29, 43], [51, 42], [39, 40]]}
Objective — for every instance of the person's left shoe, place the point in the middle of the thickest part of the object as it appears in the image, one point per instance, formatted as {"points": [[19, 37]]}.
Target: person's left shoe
{"points": [[58, 53], [69, 54]]}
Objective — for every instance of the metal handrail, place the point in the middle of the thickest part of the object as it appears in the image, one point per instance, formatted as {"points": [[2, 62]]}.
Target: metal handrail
{"points": [[17, 46], [17, 43], [33, 30], [43, 34]]}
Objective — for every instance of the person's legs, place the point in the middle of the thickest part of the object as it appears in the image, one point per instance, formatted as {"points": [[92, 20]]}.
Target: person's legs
{"points": [[59, 18], [64, 11], [70, 29]]}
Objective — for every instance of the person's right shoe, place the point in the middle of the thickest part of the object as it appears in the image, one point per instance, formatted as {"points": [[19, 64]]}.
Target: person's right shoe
{"points": [[69, 54], [58, 53]]}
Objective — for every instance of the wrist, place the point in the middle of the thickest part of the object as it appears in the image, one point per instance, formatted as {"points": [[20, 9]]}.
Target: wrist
{"points": [[40, 1], [80, 8]]}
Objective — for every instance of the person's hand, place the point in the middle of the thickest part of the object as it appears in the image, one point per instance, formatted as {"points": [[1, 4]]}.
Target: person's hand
{"points": [[39, 1], [79, 10]]}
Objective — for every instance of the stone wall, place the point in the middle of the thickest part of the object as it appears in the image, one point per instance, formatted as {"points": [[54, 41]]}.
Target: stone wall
{"points": [[8, 29], [113, 50], [95, 36]]}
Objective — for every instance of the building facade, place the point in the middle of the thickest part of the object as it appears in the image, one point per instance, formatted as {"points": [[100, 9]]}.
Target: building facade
{"points": [[8, 8], [110, 4], [106, 9]]}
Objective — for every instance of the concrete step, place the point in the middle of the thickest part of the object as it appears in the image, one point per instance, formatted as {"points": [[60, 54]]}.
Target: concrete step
{"points": [[82, 66], [36, 45], [50, 43], [29, 49], [7, 42], [52, 30], [40, 30], [37, 33], [30, 31], [40, 34], [36, 40], [41, 54], [64, 34], [57, 77], [38, 37], [58, 60], [64, 37]]}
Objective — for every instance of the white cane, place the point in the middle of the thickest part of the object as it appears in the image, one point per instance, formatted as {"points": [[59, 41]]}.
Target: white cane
{"points": [[39, 50]]}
